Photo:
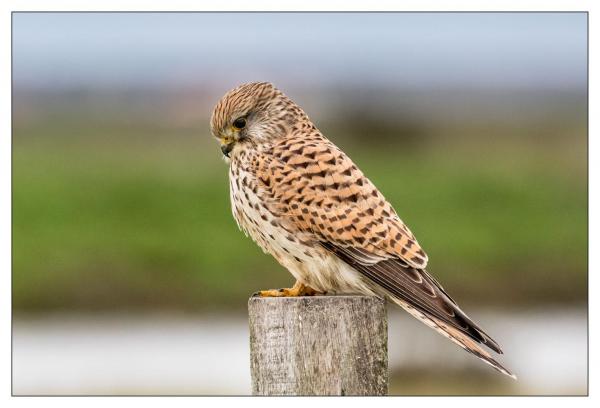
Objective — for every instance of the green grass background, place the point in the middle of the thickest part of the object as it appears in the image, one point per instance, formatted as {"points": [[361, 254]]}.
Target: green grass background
{"points": [[122, 215]]}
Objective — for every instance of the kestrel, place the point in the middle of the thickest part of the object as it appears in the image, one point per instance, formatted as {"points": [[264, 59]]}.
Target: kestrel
{"points": [[302, 200]]}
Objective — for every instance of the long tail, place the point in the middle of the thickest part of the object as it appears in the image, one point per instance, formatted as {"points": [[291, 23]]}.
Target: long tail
{"points": [[454, 335], [421, 295]]}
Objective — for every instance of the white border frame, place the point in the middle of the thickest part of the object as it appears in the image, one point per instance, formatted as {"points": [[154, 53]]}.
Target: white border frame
{"points": [[8, 6]]}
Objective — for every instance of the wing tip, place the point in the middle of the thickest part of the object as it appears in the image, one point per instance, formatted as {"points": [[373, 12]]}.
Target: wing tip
{"points": [[490, 343]]}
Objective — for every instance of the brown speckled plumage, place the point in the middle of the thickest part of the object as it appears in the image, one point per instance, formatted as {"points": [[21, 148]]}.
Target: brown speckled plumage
{"points": [[302, 200]]}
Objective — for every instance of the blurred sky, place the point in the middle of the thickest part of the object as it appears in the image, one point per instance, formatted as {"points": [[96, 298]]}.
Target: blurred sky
{"points": [[539, 50]]}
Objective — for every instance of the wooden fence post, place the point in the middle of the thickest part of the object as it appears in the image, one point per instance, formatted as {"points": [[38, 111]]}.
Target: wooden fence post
{"points": [[321, 345]]}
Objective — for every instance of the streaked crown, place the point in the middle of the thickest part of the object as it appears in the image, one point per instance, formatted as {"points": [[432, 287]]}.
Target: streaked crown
{"points": [[262, 112]]}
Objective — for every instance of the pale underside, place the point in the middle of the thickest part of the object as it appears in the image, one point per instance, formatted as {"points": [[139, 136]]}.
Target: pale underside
{"points": [[311, 264]]}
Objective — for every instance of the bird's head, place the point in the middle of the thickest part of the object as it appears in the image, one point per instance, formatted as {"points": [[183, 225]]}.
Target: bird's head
{"points": [[253, 114]]}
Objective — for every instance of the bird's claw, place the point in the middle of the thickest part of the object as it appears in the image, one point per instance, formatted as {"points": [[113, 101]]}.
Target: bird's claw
{"points": [[299, 289]]}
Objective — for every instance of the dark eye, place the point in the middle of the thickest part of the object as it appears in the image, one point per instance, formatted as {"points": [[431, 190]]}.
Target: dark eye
{"points": [[239, 123]]}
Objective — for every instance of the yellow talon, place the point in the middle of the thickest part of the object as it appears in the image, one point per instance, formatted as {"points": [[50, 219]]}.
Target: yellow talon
{"points": [[299, 289]]}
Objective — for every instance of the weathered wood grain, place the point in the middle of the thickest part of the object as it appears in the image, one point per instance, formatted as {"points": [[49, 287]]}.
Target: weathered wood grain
{"points": [[321, 345]]}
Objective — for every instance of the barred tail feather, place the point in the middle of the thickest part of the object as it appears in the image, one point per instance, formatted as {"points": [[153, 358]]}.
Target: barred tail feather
{"points": [[456, 336]]}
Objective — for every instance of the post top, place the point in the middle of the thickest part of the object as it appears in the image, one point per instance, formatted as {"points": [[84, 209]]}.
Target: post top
{"points": [[319, 299]]}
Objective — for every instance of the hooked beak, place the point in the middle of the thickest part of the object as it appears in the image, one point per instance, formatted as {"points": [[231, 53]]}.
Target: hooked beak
{"points": [[226, 148], [227, 141]]}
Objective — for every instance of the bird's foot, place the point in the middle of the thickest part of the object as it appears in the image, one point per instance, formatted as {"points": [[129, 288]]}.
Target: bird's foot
{"points": [[299, 289]]}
